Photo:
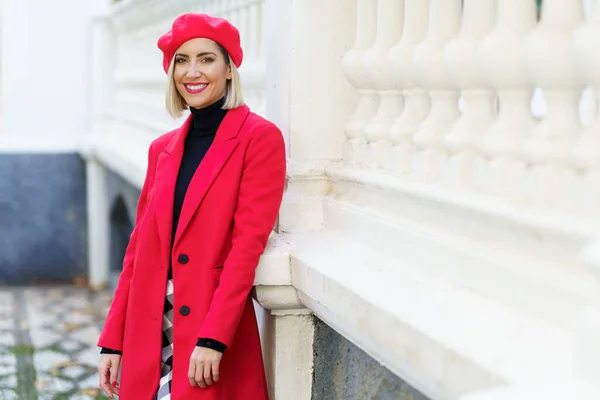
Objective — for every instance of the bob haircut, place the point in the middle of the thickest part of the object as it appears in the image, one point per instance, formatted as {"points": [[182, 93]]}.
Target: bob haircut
{"points": [[233, 96]]}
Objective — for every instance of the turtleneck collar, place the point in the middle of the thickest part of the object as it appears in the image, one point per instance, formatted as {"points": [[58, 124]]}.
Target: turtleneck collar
{"points": [[205, 121]]}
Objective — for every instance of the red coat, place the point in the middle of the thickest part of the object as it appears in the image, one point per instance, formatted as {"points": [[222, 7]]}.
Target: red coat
{"points": [[229, 211]]}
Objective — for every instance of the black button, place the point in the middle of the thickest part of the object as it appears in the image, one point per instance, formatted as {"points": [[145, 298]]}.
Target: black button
{"points": [[184, 310], [183, 259]]}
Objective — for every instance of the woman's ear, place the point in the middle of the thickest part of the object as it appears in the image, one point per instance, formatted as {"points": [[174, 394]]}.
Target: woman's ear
{"points": [[229, 73]]}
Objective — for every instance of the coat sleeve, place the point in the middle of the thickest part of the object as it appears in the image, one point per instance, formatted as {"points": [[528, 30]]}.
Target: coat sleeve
{"points": [[114, 326], [260, 195]]}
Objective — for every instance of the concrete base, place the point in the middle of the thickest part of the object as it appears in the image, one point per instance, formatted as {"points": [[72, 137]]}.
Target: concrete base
{"points": [[343, 371]]}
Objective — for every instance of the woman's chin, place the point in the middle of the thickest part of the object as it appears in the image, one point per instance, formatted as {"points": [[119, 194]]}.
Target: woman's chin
{"points": [[198, 103]]}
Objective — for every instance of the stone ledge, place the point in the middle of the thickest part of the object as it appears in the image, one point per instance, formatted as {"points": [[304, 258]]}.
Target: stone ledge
{"points": [[554, 291], [120, 161], [557, 391], [273, 282], [436, 206], [443, 340]]}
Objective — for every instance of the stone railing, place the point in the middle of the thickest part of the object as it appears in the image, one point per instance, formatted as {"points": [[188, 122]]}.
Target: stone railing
{"points": [[470, 166]]}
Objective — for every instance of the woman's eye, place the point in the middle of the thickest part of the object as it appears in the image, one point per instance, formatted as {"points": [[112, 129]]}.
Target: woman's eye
{"points": [[208, 60], [179, 60]]}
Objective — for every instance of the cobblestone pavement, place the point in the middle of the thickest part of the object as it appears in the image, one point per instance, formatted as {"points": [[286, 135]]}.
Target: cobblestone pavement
{"points": [[48, 342]]}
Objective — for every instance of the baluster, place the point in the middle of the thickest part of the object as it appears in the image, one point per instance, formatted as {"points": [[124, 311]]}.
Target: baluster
{"points": [[466, 71], [356, 75], [504, 64], [550, 57], [444, 20], [587, 149], [381, 77], [416, 101]]}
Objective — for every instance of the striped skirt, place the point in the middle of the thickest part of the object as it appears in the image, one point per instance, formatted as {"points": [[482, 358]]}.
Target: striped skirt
{"points": [[166, 373]]}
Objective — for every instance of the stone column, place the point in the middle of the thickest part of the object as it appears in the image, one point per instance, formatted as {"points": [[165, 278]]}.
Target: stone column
{"points": [[466, 71], [302, 65], [100, 86], [311, 121], [416, 101], [368, 99], [98, 225], [504, 65], [432, 73], [287, 336], [547, 148], [390, 18], [587, 149]]}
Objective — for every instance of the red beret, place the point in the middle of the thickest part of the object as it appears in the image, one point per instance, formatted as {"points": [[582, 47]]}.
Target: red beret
{"points": [[190, 26]]}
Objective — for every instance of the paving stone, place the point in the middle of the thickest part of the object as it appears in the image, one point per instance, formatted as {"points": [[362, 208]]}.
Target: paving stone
{"points": [[55, 294], [8, 365], [52, 384], [63, 324], [69, 345], [35, 298], [8, 369], [82, 397], [39, 319], [43, 337], [6, 300], [7, 339], [73, 372], [9, 381], [6, 322], [8, 359], [89, 383], [87, 335], [89, 356], [47, 360], [78, 317], [8, 394]]}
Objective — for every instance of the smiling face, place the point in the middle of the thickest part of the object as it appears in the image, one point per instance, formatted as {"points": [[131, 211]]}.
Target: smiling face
{"points": [[201, 72]]}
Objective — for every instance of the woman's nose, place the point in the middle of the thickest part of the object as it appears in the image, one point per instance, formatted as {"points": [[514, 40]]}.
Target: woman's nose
{"points": [[193, 70]]}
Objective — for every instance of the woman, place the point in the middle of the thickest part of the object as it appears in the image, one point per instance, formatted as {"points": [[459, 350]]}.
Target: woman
{"points": [[182, 316]]}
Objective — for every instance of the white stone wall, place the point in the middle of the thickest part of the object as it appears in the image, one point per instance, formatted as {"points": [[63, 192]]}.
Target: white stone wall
{"points": [[45, 77]]}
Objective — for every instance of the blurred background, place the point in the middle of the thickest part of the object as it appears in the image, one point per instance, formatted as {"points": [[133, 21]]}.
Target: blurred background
{"points": [[438, 234]]}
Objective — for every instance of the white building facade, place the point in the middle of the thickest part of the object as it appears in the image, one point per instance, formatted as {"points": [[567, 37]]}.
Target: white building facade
{"points": [[443, 193]]}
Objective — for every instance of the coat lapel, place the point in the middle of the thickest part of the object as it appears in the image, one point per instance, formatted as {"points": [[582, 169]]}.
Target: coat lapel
{"points": [[165, 179], [217, 155]]}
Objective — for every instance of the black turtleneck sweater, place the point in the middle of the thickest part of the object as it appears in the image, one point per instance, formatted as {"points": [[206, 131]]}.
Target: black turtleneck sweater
{"points": [[205, 122]]}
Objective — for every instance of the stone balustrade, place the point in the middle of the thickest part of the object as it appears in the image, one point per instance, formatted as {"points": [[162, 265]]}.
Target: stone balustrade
{"points": [[473, 136], [410, 124]]}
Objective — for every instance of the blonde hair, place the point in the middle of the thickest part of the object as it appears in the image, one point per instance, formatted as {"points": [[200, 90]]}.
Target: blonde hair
{"points": [[176, 105]]}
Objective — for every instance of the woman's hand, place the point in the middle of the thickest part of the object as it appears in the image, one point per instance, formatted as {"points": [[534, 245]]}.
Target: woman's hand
{"points": [[204, 367], [108, 369]]}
